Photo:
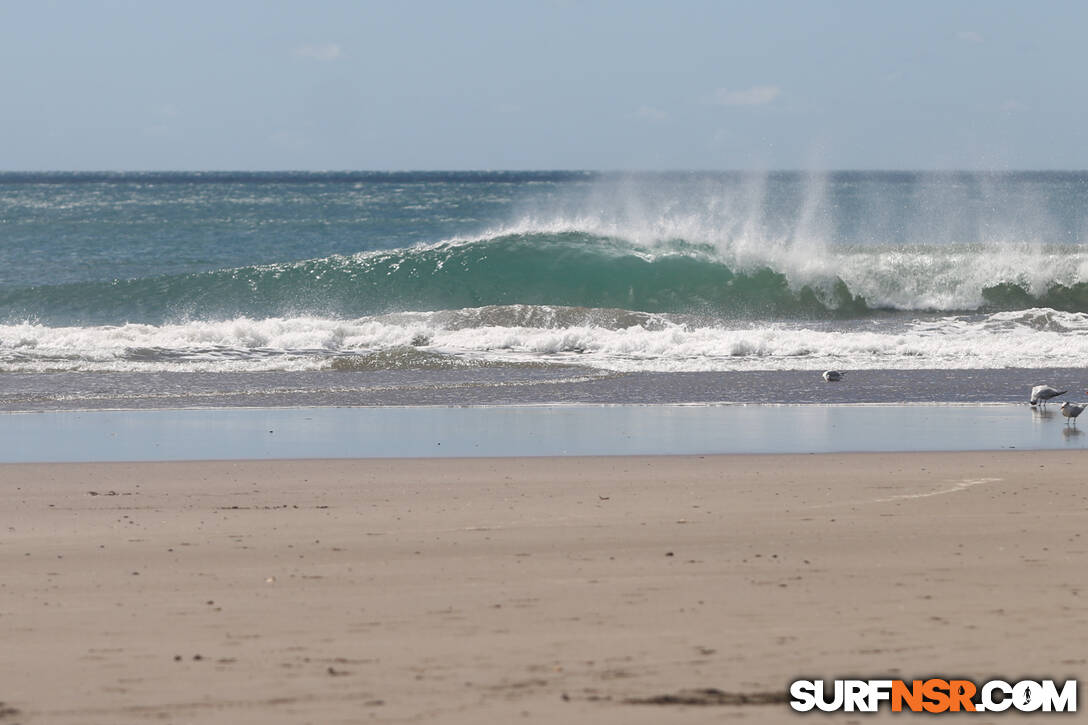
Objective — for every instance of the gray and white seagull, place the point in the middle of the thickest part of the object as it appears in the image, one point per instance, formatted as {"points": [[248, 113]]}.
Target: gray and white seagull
{"points": [[1043, 393], [1071, 411]]}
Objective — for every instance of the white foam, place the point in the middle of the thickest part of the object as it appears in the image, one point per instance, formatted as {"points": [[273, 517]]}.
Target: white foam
{"points": [[1028, 338], [948, 343]]}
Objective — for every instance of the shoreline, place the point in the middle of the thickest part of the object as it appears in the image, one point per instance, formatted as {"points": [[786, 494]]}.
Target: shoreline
{"points": [[530, 589], [546, 430], [543, 404], [519, 386]]}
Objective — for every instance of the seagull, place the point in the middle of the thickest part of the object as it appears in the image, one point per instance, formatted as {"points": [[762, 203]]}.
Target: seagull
{"points": [[1071, 411], [1043, 393], [833, 376]]}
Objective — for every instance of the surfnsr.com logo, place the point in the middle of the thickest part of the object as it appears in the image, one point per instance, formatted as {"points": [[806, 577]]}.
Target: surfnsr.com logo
{"points": [[934, 695]]}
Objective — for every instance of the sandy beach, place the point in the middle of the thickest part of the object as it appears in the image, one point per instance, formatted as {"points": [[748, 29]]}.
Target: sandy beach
{"points": [[528, 589]]}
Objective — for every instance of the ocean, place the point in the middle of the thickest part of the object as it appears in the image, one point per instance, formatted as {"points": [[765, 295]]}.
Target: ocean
{"points": [[159, 289]]}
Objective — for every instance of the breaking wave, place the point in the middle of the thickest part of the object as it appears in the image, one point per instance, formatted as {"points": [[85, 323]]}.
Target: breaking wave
{"points": [[577, 269]]}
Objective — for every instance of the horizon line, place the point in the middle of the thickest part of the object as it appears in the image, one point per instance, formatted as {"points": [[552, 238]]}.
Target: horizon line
{"points": [[556, 171]]}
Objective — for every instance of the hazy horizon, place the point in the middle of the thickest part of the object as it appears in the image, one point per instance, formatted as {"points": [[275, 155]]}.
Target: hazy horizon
{"points": [[544, 171]]}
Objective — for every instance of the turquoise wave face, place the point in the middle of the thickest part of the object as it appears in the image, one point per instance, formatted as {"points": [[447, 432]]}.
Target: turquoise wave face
{"points": [[572, 269]]}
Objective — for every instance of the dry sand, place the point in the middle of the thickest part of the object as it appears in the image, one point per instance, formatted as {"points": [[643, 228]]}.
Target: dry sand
{"points": [[528, 590]]}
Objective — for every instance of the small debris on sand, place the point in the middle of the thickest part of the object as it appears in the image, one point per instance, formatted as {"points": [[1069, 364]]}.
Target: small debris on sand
{"points": [[712, 696]]}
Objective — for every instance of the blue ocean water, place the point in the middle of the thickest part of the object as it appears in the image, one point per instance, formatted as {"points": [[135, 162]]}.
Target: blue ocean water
{"points": [[510, 277]]}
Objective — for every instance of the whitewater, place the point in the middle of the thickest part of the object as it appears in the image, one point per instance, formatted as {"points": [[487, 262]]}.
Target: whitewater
{"points": [[1029, 338]]}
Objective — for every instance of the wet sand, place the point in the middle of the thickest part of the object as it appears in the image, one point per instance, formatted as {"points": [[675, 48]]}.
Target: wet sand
{"points": [[528, 589], [512, 431]]}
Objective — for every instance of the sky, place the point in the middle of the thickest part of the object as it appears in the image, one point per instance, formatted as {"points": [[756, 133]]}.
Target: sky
{"points": [[544, 84]]}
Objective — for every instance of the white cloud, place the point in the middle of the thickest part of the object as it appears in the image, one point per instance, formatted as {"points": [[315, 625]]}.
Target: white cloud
{"points": [[721, 137], [323, 52], [969, 36], [755, 96], [160, 120], [288, 140], [1012, 106], [649, 113], [160, 130]]}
